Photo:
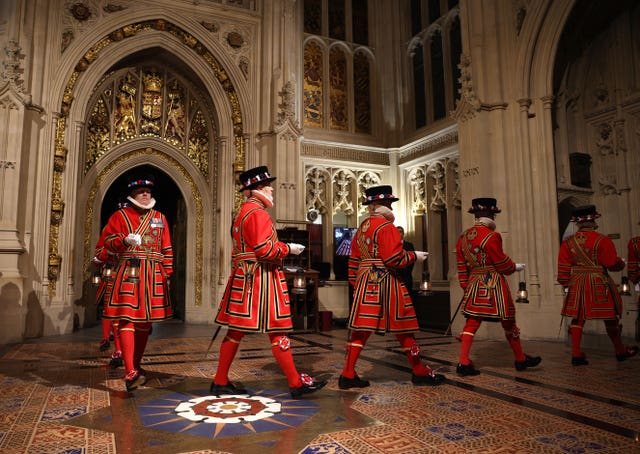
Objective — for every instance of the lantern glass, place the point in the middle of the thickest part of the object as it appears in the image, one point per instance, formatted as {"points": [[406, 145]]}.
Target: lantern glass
{"points": [[425, 284], [96, 279], [107, 273], [133, 270], [625, 287], [523, 294], [299, 283]]}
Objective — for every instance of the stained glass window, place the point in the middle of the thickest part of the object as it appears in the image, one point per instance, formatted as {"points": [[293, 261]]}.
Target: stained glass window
{"points": [[312, 85], [362, 93], [338, 90]]}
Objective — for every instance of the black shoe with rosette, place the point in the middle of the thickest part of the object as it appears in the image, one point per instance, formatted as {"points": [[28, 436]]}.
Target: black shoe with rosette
{"points": [[133, 380], [309, 385]]}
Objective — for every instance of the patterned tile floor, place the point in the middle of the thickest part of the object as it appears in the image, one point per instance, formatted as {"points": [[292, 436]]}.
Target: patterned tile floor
{"points": [[59, 396]]}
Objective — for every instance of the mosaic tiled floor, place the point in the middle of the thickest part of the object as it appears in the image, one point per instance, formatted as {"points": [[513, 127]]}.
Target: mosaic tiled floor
{"points": [[58, 395]]}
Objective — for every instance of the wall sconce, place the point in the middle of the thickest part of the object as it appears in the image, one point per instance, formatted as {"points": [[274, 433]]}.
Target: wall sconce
{"points": [[132, 270], [299, 283], [425, 284], [625, 287]]}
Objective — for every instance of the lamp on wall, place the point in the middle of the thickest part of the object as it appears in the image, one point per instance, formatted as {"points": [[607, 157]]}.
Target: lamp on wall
{"points": [[625, 287], [132, 270]]}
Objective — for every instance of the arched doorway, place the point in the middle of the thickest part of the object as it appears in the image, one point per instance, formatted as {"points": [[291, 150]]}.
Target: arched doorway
{"points": [[170, 202]]}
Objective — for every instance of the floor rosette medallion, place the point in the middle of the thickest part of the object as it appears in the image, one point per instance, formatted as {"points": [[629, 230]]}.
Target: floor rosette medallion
{"points": [[228, 409], [196, 413]]}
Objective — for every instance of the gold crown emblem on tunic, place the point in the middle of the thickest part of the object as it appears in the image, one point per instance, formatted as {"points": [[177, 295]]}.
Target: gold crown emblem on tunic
{"points": [[152, 82]]}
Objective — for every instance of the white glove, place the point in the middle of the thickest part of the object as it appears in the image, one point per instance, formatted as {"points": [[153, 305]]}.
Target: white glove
{"points": [[97, 261], [295, 248], [520, 266], [133, 239], [421, 256]]}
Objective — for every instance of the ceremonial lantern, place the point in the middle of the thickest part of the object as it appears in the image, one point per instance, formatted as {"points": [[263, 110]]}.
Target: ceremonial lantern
{"points": [[132, 270], [299, 283], [107, 272], [523, 295], [625, 287], [95, 279], [425, 283]]}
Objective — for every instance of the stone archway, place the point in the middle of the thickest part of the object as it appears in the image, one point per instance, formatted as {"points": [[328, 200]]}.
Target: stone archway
{"points": [[148, 32], [186, 204]]}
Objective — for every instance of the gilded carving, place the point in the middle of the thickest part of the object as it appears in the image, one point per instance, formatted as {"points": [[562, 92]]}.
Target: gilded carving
{"points": [[151, 103], [175, 124], [125, 125], [59, 158]]}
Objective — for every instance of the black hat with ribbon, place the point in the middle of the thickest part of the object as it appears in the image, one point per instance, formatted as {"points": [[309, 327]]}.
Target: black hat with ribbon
{"points": [[141, 181], [379, 194], [584, 213], [252, 178], [484, 204]]}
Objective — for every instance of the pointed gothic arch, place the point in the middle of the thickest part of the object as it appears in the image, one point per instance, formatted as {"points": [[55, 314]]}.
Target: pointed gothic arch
{"points": [[193, 190], [220, 79]]}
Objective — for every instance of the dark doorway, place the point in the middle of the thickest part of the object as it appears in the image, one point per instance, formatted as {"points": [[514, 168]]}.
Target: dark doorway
{"points": [[169, 201]]}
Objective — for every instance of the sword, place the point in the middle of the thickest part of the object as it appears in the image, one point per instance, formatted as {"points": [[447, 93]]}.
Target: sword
{"points": [[212, 341], [454, 317]]}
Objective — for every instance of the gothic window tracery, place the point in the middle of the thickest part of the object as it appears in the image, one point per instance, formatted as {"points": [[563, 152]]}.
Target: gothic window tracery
{"points": [[434, 52], [338, 89], [335, 51]]}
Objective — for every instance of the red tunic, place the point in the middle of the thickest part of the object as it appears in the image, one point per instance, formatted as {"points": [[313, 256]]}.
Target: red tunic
{"points": [[148, 300], [256, 298], [482, 267], [381, 300], [633, 259], [583, 261]]}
